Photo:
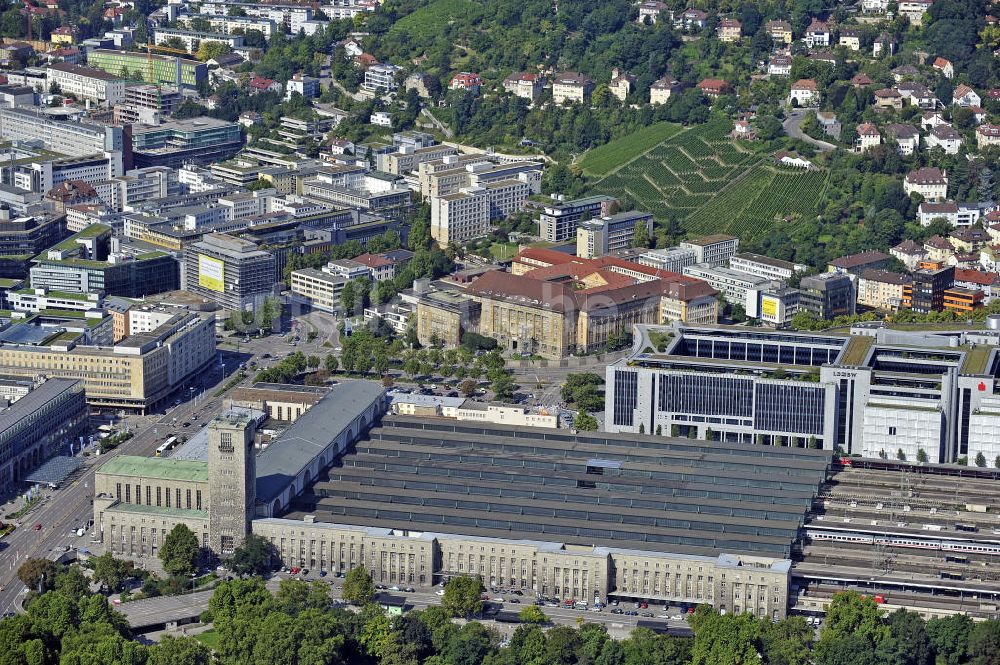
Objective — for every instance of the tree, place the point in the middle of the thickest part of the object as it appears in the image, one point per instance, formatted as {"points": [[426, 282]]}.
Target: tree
{"points": [[907, 642], [900, 455], [950, 638], [37, 574], [532, 614], [330, 362], [110, 572], [641, 236], [584, 422], [980, 459], [208, 50], [768, 127], [253, 556], [179, 552], [787, 642], [724, 638], [467, 387], [313, 362], [462, 596], [503, 386], [358, 586], [179, 651], [921, 455]]}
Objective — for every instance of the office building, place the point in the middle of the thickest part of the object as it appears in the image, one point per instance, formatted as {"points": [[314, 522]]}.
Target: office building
{"points": [[21, 238], [320, 289], [443, 315], [597, 237], [199, 141], [764, 266], [86, 263], [855, 264], [927, 291], [192, 40], [66, 137], [42, 423], [235, 273], [86, 83], [673, 259], [169, 70], [558, 219], [873, 393], [738, 287], [827, 295], [467, 214], [137, 375], [715, 250], [583, 305], [409, 158]]}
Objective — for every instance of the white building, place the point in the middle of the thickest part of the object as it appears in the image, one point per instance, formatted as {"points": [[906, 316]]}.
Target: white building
{"points": [[715, 250], [930, 182], [307, 86], [381, 77], [674, 259], [459, 217], [86, 83], [946, 138], [764, 266]]}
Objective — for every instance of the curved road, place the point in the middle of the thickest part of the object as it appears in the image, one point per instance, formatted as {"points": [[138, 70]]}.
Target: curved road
{"points": [[793, 127]]}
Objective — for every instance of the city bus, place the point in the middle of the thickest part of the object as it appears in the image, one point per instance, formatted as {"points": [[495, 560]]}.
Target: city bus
{"points": [[167, 445]]}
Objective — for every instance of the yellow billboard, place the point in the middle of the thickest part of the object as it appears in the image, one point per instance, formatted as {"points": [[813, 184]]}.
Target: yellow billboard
{"points": [[769, 308], [211, 273]]}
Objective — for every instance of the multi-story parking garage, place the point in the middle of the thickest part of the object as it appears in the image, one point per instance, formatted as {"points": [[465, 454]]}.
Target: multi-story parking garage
{"points": [[583, 515]]}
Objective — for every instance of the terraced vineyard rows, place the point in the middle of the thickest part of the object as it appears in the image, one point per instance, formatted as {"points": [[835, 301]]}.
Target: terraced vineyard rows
{"points": [[713, 184]]}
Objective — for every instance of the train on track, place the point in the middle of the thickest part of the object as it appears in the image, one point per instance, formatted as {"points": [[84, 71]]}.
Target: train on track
{"points": [[889, 539]]}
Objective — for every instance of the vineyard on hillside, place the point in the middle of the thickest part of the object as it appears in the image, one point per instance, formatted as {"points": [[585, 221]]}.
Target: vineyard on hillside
{"points": [[712, 184]]}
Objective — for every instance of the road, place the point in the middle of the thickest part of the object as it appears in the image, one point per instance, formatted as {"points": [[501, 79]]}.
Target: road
{"points": [[793, 127], [143, 613], [70, 506]]}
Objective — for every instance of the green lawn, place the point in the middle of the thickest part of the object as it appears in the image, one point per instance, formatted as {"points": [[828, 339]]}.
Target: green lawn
{"points": [[209, 638], [429, 22], [604, 159], [503, 251]]}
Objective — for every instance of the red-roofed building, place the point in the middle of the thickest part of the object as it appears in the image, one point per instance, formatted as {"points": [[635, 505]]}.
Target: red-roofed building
{"points": [[944, 66], [259, 84], [365, 60], [380, 267], [715, 87], [804, 92], [580, 305], [466, 81]]}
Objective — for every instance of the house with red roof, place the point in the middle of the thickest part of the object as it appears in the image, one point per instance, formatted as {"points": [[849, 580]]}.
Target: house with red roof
{"points": [[804, 92], [259, 84], [469, 81], [944, 66], [715, 87]]}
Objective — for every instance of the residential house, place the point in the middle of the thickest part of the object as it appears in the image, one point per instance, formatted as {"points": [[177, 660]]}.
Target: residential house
{"points": [[825, 57], [780, 31], [691, 20], [987, 135], [851, 39], [882, 290], [526, 85], [930, 120], [904, 73], [621, 84], [917, 94], [969, 239], [888, 98], [929, 181], [572, 87], [830, 124], [928, 211], [946, 138], [944, 66], [907, 137], [817, 34], [938, 249], [259, 84], [779, 65], [729, 30], [868, 137], [468, 81], [380, 119], [914, 10], [883, 45], [650, 10], [874, 6], [978, 280], [804, 92], [661, 90], [861, 80], [715, 87], [965, 96], [910, 253], [743, 130]]}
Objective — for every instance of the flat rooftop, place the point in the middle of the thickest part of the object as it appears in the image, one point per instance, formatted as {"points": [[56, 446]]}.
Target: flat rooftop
{"points": [[593, 489], [132, 466]]}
